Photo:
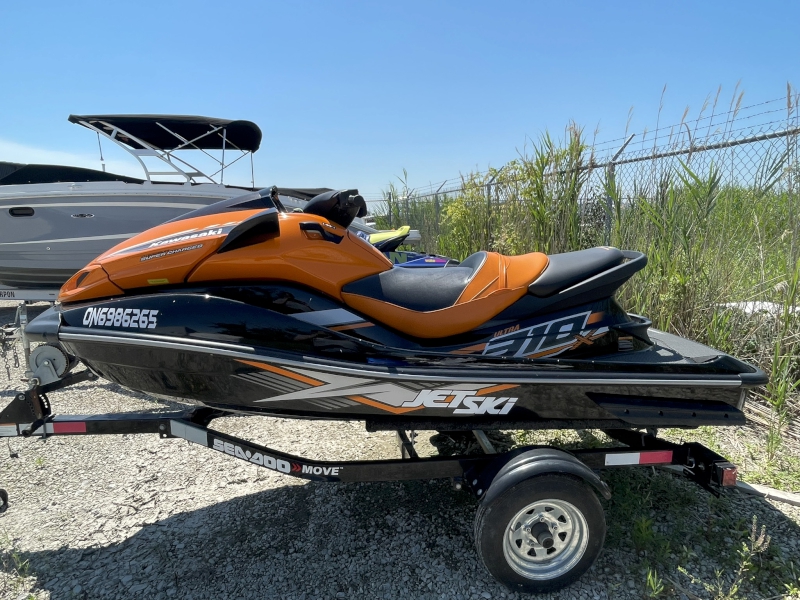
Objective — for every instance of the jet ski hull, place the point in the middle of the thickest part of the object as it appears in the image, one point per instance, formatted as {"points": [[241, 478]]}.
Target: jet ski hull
{"points": [[253, 383], [278, 354]]}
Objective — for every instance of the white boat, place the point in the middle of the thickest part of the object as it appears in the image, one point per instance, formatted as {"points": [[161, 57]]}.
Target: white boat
{"points": [[54, 219]]}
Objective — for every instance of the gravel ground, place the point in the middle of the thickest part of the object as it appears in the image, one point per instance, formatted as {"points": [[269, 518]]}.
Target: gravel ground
{"points": [[139, 517]]}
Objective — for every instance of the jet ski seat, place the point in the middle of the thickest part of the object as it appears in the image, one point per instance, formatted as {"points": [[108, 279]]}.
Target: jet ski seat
{"points": [[570, 268], [439, 303]]}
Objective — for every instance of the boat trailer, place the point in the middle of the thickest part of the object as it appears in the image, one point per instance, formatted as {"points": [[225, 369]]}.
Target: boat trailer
{"points": [[551, 492], [47, 362]]}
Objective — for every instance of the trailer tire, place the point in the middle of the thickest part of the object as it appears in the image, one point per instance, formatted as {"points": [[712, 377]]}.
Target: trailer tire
{"points": [[541, 534]]}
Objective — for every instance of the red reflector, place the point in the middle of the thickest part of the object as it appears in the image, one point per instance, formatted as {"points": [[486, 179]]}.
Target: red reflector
{"points": [[656, 457], [69, 427], [729, 477]]}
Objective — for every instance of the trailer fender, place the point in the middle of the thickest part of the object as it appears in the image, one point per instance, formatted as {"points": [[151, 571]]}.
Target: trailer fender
{"points": [[531, 463]]}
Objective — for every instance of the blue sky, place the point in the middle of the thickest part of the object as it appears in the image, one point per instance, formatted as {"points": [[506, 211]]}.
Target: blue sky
{"points": [[348, 94]]}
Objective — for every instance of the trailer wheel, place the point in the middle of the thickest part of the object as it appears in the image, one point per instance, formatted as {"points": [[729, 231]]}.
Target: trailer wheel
{"points": [[542, 534], [3, 500]]}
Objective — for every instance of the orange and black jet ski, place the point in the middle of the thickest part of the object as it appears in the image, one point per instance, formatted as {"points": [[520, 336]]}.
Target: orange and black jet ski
{"points": [[247, 308]]}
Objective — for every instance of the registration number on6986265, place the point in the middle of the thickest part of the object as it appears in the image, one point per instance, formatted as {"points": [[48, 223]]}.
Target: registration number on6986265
{"points": [[121, 317]]}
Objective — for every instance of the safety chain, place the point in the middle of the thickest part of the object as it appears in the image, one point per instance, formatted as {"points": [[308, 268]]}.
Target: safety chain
{"points": [[8, 343]]}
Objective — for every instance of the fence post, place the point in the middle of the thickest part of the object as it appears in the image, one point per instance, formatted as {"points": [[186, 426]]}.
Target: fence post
{"points": [[791, 171], [436, 205], [489, 210], [611, 183], [488, 214]]}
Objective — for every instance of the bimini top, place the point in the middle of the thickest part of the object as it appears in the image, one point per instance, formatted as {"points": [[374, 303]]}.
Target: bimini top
{"points": [[170, 132]]}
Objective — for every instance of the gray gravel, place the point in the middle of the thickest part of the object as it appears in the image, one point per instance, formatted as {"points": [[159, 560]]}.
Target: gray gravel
{"points": [[140, 517]]}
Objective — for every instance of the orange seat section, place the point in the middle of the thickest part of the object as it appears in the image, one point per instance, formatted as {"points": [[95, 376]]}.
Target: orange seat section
{"points": [[500, 281], [501, 272]]}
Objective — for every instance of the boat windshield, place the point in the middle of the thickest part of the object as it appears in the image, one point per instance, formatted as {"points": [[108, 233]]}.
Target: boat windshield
{"points": [[251, 201], [262, 199]]}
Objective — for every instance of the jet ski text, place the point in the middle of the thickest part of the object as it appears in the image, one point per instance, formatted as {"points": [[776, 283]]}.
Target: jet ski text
{"points": [[121, 317], [464, 402]]}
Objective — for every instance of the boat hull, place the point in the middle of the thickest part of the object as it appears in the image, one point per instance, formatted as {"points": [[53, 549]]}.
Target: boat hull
{"points": [[51, 231]]}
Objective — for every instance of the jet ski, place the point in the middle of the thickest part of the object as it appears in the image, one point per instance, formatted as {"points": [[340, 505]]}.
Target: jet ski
{"points": [[417, 260], [245, 308], [389, 242]]}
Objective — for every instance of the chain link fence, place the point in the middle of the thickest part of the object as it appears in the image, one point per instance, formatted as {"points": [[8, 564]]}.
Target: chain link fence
{"points": [[753, 147], [713, 203]]}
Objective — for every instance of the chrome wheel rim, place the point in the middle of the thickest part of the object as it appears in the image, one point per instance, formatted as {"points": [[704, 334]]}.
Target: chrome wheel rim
{"points": [[545, 539]]}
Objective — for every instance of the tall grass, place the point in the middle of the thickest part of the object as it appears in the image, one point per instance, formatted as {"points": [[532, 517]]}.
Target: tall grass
{"points": [[714, 248]]}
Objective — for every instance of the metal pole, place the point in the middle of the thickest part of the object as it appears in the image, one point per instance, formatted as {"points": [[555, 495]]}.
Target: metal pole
{"points": [[488, 212], [489, 206], [222, 170], [609, 203], [436, 206], [22, 311], [611, 183], [252, 172]]}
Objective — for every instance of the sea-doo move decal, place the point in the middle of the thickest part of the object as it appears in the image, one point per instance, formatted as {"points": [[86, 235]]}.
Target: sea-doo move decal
{"points": [[546, 339], [121, 317], [253, 454], [332, 391], [272, 463], [257, 458]]}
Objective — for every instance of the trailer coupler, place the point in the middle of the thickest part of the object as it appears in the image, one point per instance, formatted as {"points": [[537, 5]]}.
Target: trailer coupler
{"points": [[29, 410]]}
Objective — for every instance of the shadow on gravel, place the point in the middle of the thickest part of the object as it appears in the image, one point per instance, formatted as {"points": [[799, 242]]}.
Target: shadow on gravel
{"points": [[317, 539], [409, 539]]}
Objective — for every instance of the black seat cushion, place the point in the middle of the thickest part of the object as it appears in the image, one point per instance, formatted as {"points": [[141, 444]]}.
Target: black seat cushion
{"points": [[565, 270], [419, 289]]}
